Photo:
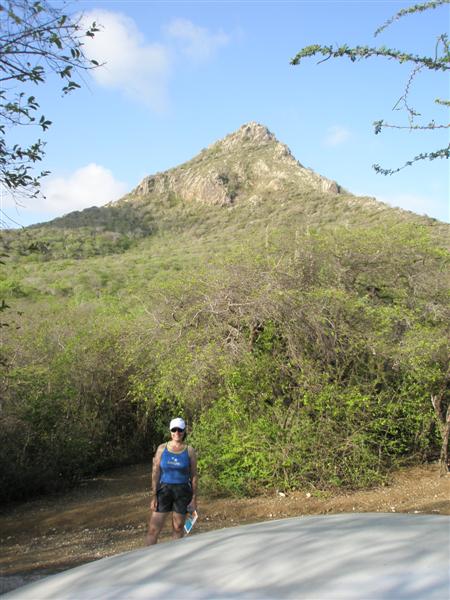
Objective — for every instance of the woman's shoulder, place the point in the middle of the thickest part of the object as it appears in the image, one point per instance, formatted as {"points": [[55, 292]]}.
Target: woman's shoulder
{"points": [[191, 451]]}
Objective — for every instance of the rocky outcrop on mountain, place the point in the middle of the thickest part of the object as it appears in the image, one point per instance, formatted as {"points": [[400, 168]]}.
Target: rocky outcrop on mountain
{"points": [[247, 165], [248, 171]]}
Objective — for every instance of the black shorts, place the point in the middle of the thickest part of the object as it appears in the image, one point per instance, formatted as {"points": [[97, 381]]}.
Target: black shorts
{"points": [[174, 497]]}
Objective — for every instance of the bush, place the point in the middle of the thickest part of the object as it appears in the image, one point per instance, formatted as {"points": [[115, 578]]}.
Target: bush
{"points": [[300, 358], [331, 437]]}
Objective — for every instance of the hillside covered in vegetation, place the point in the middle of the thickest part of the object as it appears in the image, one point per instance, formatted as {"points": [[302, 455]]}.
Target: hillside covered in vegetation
{"points": [[300, 329]]}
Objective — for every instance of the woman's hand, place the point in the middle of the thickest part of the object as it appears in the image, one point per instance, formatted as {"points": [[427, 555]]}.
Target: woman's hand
{"points": [[154, 503], [192, 505]]}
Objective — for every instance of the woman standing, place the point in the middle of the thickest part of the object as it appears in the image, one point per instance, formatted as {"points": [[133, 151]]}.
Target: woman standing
{"points": [[174, 483]]}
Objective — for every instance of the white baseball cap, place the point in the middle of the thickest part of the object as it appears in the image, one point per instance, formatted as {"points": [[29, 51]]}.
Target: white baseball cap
{"points": [[178, 422]]}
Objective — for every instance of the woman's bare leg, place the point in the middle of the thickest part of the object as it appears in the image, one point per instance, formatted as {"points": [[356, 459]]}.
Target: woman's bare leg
{"points": [[178, 525], [154, 527]]}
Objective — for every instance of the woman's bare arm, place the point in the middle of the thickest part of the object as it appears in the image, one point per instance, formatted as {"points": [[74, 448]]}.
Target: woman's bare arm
{"points": [[194, 477], [156, 471]]}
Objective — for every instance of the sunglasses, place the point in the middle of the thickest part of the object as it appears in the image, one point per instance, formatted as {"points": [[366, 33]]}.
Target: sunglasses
{"points": [[177, 430]]}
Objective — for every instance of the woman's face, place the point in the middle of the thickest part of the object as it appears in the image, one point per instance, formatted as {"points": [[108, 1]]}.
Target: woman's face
{"points": [[177, 434]]}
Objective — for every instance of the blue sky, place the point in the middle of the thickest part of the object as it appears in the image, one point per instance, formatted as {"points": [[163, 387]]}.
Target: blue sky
{"points": [[180, 75]]}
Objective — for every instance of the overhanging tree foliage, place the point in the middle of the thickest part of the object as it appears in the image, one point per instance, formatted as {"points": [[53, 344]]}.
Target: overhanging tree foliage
{"points": [[37, 40], [439, 62]]}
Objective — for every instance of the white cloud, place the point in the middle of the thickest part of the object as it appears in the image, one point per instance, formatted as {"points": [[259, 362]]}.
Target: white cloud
{"points": [[138, 69], [422, 205], [197, 43], [337, 135], [92, 185]]}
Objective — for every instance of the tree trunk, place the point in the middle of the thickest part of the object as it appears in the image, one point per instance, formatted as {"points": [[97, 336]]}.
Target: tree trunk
{"points": [[443, 420]]}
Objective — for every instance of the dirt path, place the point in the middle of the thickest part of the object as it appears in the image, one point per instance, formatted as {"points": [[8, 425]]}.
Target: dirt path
{"points": [[107, 515]]}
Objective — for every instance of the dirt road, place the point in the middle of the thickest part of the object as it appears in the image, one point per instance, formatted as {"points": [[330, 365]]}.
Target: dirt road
{"points": [[108, 514]]}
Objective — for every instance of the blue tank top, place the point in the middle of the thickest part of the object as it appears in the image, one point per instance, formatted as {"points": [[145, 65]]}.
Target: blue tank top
{"points": [[175, 466]]}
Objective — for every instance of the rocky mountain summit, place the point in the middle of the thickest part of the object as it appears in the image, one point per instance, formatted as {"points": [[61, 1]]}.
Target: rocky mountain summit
{"points": [[247, 165], [250, 172]]}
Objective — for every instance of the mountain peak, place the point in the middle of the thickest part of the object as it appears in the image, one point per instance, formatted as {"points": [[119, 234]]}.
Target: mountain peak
{"points": [[252, 131], [249, 164], [250, 134]]}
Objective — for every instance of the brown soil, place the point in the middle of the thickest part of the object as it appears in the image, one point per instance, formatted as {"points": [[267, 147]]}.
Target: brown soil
{"points": [[107, 515]]}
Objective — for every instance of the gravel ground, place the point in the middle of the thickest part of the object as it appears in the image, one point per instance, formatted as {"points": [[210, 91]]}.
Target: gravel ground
{"points": [[108, 514]]}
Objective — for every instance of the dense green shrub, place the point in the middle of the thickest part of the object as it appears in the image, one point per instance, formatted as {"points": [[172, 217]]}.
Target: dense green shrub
{"points": [[299, 358], [70, 415], [251, 438]]}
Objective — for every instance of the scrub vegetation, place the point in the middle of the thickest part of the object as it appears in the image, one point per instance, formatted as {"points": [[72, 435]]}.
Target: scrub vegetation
{"points": [[302, 333]]}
